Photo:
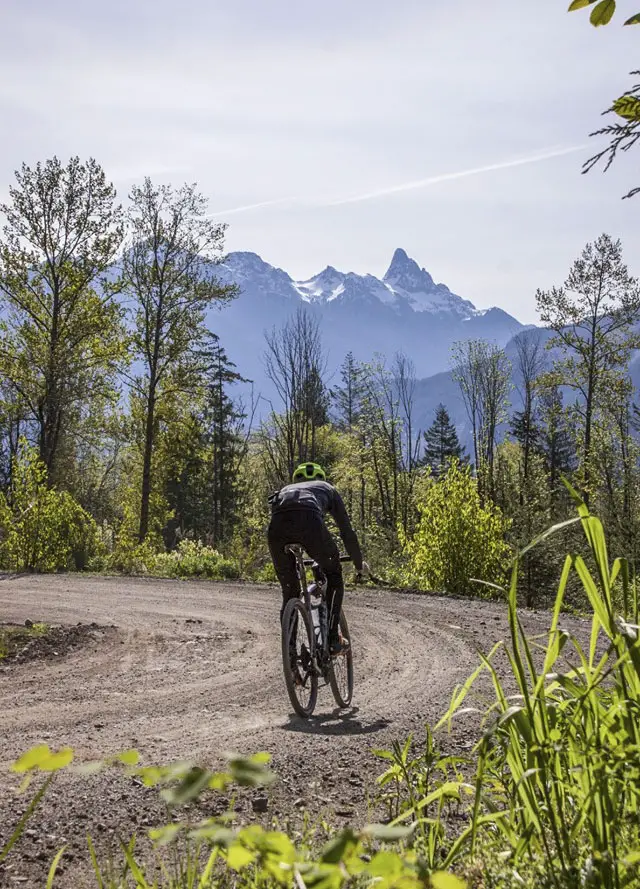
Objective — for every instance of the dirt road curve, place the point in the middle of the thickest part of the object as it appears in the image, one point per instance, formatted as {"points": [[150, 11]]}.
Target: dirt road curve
{"points": [[193, 669]]}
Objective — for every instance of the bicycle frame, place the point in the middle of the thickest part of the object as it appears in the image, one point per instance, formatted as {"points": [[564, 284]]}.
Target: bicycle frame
{"points": [[320, 665], [305, 594]]}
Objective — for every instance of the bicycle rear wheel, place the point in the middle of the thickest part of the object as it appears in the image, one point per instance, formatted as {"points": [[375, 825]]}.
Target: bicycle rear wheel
{"points": [[341, 669], [299, 673]]}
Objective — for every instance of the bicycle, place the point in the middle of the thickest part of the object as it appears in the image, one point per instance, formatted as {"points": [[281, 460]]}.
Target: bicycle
{"points": [[305, 642]]}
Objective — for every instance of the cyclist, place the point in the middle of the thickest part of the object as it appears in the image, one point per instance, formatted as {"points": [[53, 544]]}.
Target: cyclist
{"points": [[297, 516]]}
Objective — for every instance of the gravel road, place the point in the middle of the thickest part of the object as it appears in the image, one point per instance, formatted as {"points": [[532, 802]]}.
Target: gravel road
{"points": [[188, 670]]}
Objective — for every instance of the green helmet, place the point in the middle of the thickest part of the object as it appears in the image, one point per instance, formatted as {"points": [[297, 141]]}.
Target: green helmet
{"points": [[306, 472]]}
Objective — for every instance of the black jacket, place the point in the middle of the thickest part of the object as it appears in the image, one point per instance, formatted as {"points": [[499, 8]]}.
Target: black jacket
{"points": [[323, 498]]}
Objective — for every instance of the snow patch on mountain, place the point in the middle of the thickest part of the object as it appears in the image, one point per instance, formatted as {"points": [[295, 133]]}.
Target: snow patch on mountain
{"points": [[325, 287]]}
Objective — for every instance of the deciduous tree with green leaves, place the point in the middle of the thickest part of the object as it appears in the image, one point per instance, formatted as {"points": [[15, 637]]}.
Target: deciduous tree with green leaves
{"points": [[168, 271], [593, 315], [61, 334], [483, 371]]}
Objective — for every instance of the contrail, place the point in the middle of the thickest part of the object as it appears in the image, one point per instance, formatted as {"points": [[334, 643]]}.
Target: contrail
{"points": [[543, 155], [249, 207], [461, 174]]}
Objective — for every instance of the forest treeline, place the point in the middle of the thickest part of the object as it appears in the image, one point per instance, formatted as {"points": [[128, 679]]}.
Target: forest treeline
{"points": [[123, 444]]}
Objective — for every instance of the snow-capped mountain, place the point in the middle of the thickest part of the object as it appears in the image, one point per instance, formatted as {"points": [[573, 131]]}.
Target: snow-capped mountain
{"points": [[405, 311], [405, 285]]}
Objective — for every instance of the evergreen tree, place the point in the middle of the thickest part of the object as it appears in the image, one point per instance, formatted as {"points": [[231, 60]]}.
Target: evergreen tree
{"points": [[315, 398], [206, 451], [441, 443], [528, 367], [556, 444], [348, 397], [526, 431], [224, 422]]}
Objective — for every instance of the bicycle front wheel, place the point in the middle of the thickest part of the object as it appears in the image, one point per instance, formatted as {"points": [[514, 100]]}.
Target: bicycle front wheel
{"points": [[341, 669], [299, 673]]}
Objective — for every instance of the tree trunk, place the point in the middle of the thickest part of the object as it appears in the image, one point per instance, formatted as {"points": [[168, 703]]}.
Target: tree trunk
{"points": [[146, 465], [49, 421]]}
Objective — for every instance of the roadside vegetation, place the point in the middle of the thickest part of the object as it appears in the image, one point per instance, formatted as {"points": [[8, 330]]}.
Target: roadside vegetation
{"points": [[549, 799]]}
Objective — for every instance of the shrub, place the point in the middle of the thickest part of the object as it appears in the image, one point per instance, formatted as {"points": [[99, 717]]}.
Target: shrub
{"points": [[266, 574], [191, 558], [457, 538], [128, 558], [43, 529]]}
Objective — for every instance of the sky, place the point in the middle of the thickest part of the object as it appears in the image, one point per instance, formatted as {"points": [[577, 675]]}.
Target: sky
{"points": [[330, 133]]}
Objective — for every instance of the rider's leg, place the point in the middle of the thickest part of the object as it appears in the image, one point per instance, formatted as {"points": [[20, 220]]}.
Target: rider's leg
{"points": [[279, 534], [321, 546]]}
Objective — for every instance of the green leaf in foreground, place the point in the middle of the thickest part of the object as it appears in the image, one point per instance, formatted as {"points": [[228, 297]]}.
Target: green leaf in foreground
{"points": [[580, 4], [238, 857], [627, 107], [128, 757], [42, 759], [602, 13], [442, 880], [336, 850], [634, 20]]}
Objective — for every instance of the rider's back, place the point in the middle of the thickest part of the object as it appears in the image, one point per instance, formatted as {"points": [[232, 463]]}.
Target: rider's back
{"points": [[316, 495]]}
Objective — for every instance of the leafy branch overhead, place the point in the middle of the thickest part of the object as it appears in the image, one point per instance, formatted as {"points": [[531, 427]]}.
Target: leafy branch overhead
{"points": [[602, 12], [622, 136]]}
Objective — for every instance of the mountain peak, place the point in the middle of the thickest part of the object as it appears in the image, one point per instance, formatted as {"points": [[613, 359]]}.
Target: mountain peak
{"points": [[405, 274], [400, 262], [400, 256]]}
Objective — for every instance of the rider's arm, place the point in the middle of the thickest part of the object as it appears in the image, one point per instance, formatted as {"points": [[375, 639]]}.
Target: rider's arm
{"points": [[349, 536]]}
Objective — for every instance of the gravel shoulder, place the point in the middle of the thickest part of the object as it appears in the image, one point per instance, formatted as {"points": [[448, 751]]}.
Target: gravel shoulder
{"points": [[189, 670]]}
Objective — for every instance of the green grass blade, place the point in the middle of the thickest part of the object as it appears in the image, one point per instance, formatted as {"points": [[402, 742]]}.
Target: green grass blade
{"points": [[205, 878], [94, 862], [141, 882], [560, 526], [20, 826], [54, 867], [595, 599], [461, 691]]}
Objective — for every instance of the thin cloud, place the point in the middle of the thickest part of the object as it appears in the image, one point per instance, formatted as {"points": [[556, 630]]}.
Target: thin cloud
{"points": [[547, 154], [246, 207]]}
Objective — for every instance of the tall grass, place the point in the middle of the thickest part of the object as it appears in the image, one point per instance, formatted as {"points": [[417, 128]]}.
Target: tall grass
{"points": [[556, 796]]}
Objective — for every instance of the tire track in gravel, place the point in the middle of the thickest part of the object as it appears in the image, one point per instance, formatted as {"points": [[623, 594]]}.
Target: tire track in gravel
{"points": [[193, 669]]}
